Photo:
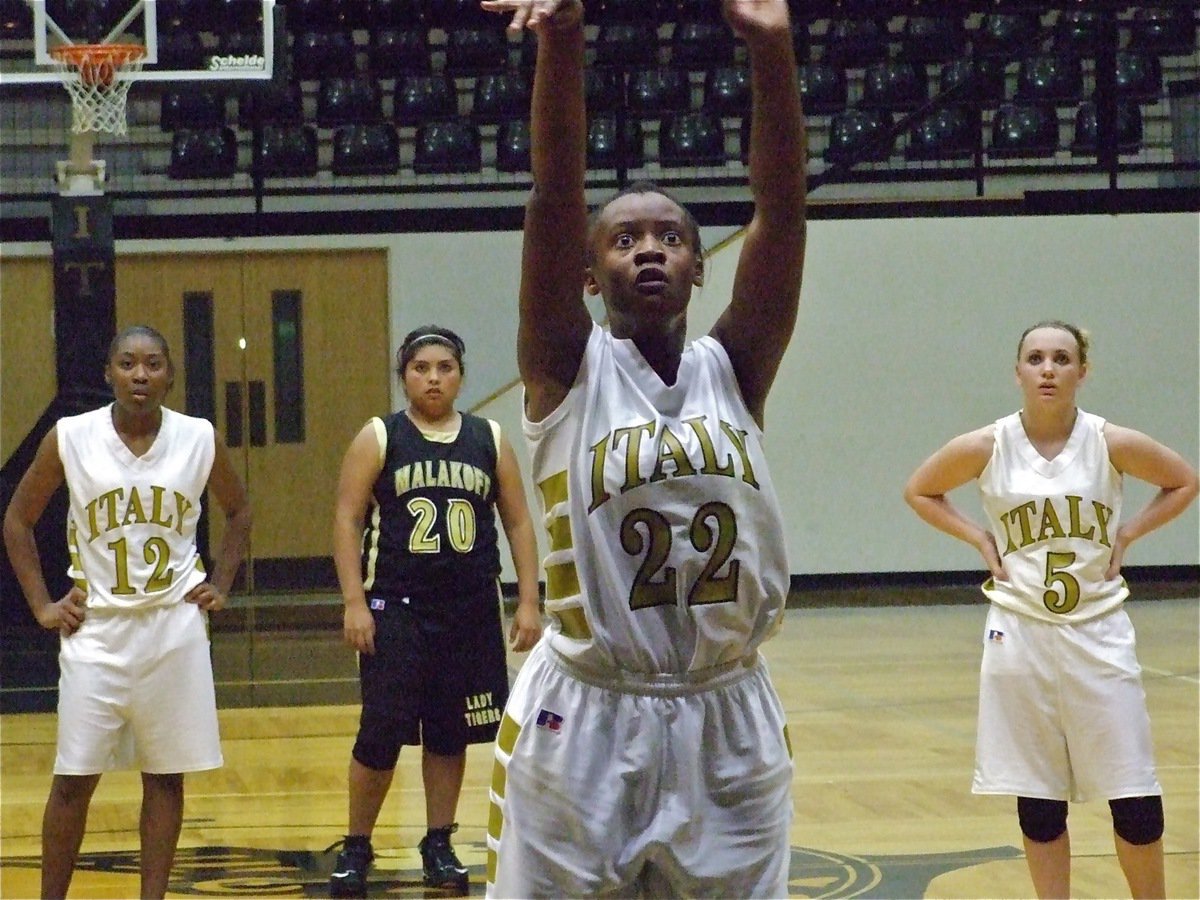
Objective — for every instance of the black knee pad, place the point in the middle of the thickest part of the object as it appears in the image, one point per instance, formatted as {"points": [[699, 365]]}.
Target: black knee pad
{"points": [[1138, 820], [376, 750], [1042, 820]]}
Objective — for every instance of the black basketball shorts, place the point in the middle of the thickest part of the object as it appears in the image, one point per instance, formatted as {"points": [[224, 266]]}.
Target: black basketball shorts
{"points": [[440, 681]]}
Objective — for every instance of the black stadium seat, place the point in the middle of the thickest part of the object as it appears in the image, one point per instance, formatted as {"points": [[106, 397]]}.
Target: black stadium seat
{"points": [[398, 51], [1050, 78], [894, 85], [500, 95], [1129, 129], [627, 45], [824, 87], [1139, 76], [949, 132], [323, 54], [366, 150], [1163, 30], [203, 153], [691, 139], [659, 90], [270, 102], [603, 150], [512, 146], [1024, 130], [447, 145], [287, 151], [932, 39], [421, 97], [856, 135], [192, 107], [481, 48], [727, 90], [700, 44], [349, 101]]}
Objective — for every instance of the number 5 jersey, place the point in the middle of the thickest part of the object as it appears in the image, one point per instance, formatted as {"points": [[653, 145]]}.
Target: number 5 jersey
{"points": [[1054, 521]]}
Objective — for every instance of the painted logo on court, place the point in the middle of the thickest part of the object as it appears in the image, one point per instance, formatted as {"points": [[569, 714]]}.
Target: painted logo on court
{"points": [[253, 872]]}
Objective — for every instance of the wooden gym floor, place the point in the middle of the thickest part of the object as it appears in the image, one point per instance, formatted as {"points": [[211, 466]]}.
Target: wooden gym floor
{"points": [[881, 705]]}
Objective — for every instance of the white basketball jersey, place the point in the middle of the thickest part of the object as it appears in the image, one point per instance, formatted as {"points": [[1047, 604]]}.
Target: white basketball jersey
{"points": [[1054, 521], [132, 520], [667, 550]]}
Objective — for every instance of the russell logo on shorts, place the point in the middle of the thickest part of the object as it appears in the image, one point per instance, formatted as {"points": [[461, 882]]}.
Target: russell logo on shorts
{"points": [[549, 720]]}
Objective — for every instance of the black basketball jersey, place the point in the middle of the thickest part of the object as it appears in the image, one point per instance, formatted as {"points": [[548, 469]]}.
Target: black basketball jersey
{"points": [[432, 522]]}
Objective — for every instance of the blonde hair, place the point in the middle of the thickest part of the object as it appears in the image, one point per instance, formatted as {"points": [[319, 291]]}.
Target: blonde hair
{"points": [[1080, 335]]}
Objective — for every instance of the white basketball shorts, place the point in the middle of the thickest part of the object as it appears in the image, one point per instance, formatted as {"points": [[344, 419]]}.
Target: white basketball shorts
{"points": [[682, 791], [136, 690], [1062, 711]]}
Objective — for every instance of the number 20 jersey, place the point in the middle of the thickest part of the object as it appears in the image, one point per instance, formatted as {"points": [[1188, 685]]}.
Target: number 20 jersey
{"points": [[131, 525], [667, 551]]}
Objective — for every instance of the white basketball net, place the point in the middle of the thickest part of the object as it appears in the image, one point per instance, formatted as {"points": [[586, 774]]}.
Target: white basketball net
{"points": [[90, 74]]}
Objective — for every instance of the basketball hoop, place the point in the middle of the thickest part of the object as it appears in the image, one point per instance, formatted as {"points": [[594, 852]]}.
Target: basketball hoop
{"points": [[91, 74]]}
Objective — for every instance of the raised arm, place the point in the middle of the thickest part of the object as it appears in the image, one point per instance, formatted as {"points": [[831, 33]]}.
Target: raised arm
{"points": [[961, 460], [554, 323], [757, 325]]}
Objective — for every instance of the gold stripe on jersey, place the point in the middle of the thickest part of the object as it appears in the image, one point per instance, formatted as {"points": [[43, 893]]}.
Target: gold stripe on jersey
{"points": [[495, 820], [494, 828], [562, 578], [562, 581], [371, 539], [574, 623], [491, 866], [559, 530], [506, 740], [73, 550], [554, 490]]}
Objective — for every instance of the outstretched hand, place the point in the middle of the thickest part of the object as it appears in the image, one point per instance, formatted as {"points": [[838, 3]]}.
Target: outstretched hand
{"points": [[537, 14], [748, 17]]}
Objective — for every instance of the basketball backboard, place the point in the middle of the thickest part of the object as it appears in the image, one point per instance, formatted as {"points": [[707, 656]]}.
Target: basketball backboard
{"points": [[185, 40]]}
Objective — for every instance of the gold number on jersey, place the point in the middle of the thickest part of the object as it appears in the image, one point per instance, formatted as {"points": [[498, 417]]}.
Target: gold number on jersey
{"points": [[647, 590], [460, 526], [1056, 564], [708, 587], [157, 552], [713, 530]]}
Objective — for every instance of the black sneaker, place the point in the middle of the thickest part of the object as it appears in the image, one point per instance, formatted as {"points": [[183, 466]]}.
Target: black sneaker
{"points": [[442, 867], [349, 878]]}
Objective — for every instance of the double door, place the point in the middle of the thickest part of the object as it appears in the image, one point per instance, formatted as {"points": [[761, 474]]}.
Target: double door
{"points": [[287, 353]]}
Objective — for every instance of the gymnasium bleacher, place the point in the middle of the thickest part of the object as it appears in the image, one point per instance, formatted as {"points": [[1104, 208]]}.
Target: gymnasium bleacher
{"points": [[399, 98]]}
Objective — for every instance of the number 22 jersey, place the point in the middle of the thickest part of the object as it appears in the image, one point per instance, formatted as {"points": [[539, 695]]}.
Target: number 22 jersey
{"points": [[667, 552]]}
